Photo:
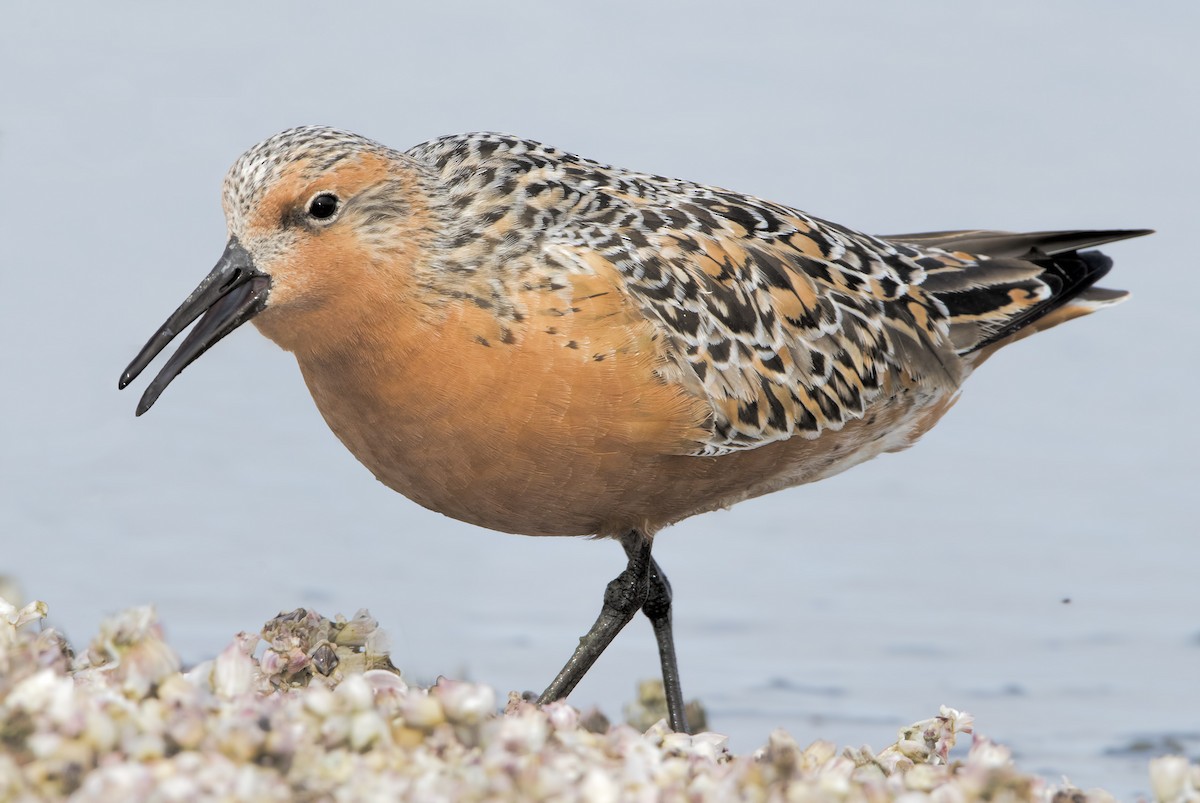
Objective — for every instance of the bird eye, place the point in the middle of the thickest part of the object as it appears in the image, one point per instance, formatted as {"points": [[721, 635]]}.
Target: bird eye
{"points": [[323, 206]]}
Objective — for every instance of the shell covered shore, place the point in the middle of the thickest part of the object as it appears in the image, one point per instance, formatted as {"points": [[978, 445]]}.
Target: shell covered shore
{"points": [[312, 709]]}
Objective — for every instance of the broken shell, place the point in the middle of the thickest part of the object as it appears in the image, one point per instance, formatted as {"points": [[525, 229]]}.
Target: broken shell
{"points": [[233, 670], [464, 703], [119, 723]]}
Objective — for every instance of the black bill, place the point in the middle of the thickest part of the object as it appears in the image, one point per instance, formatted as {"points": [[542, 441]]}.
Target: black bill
{"points": [[233, 293]]}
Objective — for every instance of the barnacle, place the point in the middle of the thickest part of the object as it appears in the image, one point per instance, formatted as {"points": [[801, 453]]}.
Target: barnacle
{"points": [[122, 722]]}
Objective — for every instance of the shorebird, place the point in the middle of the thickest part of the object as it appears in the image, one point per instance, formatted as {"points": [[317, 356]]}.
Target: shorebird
{"points": [[537, 343]]}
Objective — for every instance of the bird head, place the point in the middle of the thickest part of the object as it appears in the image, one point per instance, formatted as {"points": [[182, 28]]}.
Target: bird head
{"points": [[319, 221]]}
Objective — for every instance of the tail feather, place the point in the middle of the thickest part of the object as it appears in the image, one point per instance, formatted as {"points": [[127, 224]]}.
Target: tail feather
{"points": [[999, 244], [1064, 276], [1023, 283]]}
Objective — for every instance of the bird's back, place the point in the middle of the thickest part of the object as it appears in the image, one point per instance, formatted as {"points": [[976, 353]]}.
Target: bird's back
{"points": [[786, 325]]}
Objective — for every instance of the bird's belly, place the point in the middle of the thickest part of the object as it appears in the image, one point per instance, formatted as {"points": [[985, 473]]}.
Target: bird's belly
{"points": [[563, 463], [532, 445], [534, 486]]}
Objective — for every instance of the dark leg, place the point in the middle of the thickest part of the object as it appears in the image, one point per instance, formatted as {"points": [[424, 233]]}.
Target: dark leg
{"points": [[641, 586], [658, 610], [623, 597]]}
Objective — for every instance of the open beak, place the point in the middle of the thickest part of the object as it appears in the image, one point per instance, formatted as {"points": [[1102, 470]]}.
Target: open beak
{"points": [[233, 293]]}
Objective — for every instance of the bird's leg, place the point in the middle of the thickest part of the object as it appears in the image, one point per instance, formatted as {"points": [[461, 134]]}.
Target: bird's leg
{"points": [[623, 598], [658, 610], [642, 585]]}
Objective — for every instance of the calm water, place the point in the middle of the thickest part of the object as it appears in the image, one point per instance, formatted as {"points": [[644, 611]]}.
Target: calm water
{"points": [[842, 610]]}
